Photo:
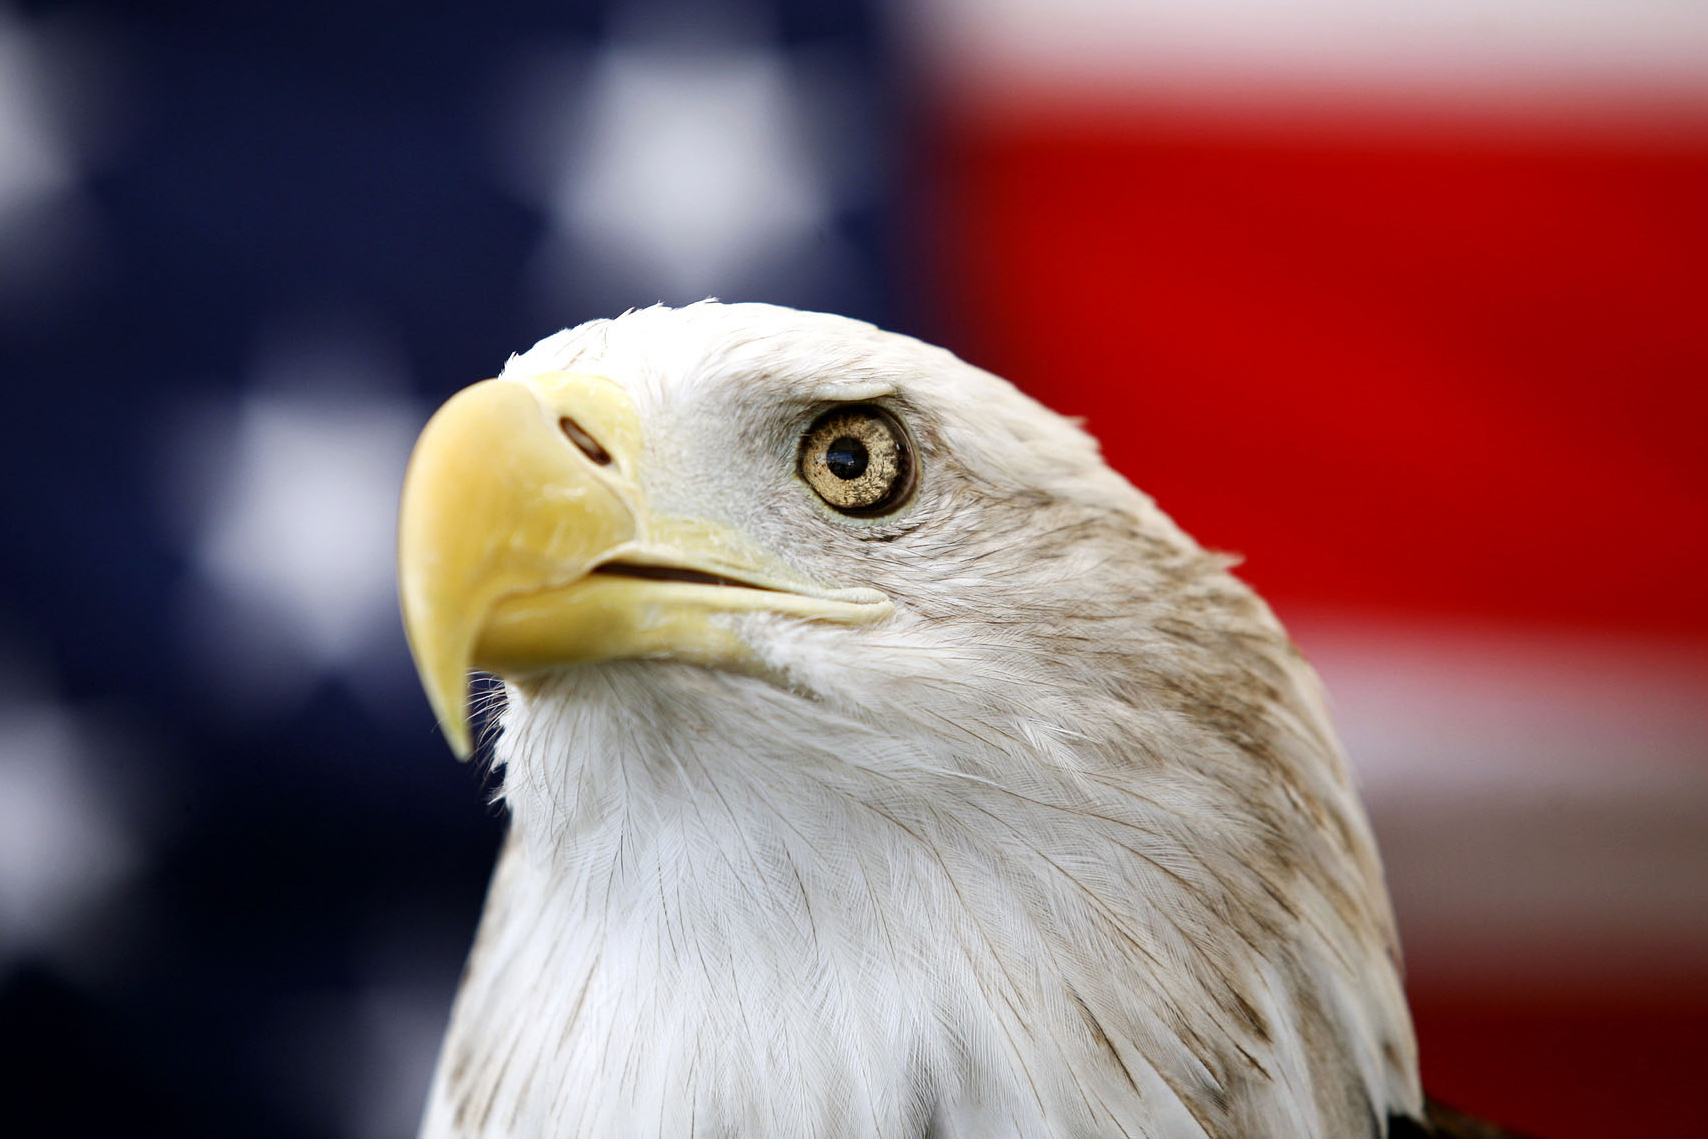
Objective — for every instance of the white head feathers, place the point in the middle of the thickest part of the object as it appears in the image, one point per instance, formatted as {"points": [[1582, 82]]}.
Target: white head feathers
{"points": [[1066, 846]]}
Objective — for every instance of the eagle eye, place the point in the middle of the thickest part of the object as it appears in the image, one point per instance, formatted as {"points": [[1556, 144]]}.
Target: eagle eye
{"points": [[857, 459]]}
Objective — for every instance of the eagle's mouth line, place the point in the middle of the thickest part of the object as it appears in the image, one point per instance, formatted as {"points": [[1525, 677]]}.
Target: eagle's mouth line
{"points": [[675, 573]]}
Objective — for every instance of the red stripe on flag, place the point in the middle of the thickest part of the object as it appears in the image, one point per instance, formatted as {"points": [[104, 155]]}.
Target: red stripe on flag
{"points": [[1439, 372]]}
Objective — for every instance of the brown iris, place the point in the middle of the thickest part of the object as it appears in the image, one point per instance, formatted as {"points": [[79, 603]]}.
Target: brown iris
{"points": [[857, 459]]}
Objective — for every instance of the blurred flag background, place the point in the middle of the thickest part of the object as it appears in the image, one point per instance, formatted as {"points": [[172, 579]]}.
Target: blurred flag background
{"points": [[1407, 304]]}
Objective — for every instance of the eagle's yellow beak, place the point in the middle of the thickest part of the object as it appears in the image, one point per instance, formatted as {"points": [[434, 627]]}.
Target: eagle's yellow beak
{"points": [[525, 543]]}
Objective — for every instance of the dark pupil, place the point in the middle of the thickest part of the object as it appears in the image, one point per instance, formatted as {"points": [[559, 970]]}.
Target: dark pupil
{"points": [[846, 457]]}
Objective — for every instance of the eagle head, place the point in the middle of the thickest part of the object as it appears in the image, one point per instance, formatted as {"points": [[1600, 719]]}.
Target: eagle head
{"points": [[878, 761]]}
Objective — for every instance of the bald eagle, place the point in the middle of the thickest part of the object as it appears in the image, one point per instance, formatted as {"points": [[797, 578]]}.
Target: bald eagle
{"points": [[878, 762]]}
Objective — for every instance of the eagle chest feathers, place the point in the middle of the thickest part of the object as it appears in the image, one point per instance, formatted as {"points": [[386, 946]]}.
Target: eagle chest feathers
{"points": [[879, 763]]}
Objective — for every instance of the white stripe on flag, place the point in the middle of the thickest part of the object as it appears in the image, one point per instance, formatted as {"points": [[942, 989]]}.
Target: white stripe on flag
{"points": [[1469, 51], [1541, 797]]}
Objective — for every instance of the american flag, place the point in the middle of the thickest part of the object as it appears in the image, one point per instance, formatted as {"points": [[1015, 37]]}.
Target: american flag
{"points": [[1404, 303]]}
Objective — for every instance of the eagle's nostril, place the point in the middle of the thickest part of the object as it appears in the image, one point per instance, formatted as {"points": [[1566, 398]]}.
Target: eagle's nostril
{"points": [[584, 442]]}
